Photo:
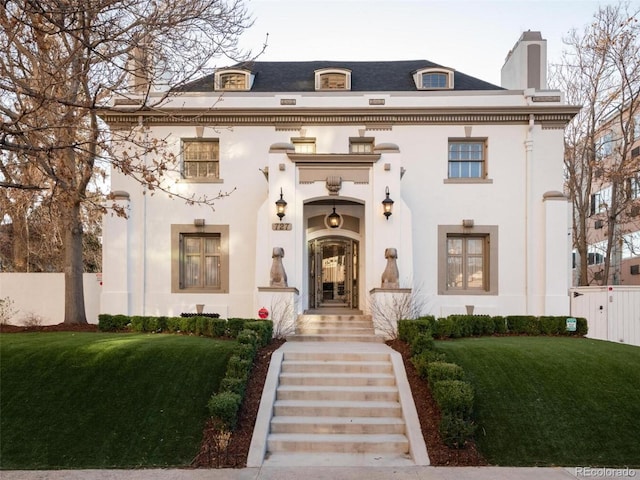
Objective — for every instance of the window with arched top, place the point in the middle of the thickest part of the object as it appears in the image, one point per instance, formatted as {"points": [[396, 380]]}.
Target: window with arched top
{"points": [[333, 79], [233, 80], [434, 79]]}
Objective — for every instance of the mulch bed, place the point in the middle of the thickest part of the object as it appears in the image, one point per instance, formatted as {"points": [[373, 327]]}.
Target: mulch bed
{"points": [[233, 454]]}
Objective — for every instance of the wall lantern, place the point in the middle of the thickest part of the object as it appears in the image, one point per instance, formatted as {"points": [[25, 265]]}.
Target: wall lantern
{"points": [[281, 205], [334, 218], [387, 204]]}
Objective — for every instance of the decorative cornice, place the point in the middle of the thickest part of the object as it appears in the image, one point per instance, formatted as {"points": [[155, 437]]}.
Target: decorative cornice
{"points": [[284, 119]]}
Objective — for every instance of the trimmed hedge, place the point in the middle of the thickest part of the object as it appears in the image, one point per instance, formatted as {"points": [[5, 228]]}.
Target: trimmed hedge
{"points": [[454, 397], [438, 371], [224, 407], [424, 359], [409, 328], [422, 342], [206, 326]]}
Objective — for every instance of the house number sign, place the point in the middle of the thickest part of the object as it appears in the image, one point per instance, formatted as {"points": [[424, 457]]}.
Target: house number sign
{"points": [[281, 226]]}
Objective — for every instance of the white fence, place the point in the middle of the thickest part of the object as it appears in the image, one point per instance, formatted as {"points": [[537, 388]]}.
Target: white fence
{"points": [[612, 312], [39, 297]]}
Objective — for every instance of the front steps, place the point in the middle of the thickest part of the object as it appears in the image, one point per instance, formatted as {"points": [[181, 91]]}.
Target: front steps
{"points": [[330, 400]]}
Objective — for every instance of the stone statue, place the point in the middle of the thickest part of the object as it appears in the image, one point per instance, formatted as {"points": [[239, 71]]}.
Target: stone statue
{"points": [[390, 276], [278, 275]]}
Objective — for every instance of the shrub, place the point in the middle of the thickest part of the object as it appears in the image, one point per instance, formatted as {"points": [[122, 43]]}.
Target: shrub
{"points": [[238, 367], [582, 327], [218, 327], [248, 337], [455, 430], [409, 328], [421, 343], [454, 397], [499, 325], [524, 324], [447, 328], [188, 324], [112, 323], [234, 385], [162, 324], [264, 329], [174, 324], [552, 325], [235, 326], [224, 407], [437, 371], [201, 326], [422, 361], [245, 351]]}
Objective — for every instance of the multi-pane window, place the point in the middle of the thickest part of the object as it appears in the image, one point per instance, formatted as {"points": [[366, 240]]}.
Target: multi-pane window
{"points": [[233, 81], [200, 159], [333, 81], [361, 145], [636, 127], [304, 145], [466, 159], [200, 261], [600, 201], [466, 262], [435, 80], [605, 145]]}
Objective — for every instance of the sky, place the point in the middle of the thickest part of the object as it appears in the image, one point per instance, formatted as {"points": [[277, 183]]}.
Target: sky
{"points": [[471, 36]]}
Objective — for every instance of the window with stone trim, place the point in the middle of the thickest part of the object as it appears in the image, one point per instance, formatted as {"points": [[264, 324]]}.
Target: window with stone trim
{"points": [[467, 158], [200, 159], [200, 259]]}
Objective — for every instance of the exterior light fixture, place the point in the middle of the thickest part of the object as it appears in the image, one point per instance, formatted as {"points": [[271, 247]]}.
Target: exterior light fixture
{"points": [[334, 219], [281, 205], [387, 204]]}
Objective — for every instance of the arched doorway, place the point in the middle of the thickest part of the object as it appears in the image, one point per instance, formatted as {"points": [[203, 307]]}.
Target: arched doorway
{"points": [[333, 272]]}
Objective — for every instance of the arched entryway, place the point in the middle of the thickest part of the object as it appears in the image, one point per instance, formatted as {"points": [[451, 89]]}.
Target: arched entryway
{"points": [[333, 272]]}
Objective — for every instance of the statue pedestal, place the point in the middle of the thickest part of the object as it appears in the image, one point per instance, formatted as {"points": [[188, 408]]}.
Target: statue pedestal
{"points": [[387, 306], [282, 304]]}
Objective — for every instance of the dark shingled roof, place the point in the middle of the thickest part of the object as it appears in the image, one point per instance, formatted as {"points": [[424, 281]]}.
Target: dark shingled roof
{"points": [[394, 76]]}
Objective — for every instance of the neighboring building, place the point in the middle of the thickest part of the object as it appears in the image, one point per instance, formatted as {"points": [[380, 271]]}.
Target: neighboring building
{"points": [[474, 171], [611, 156]]}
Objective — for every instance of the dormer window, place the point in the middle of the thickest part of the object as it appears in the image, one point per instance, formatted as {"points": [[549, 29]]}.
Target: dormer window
{"points": [[333, 79], [434, 79], [233, 80]]}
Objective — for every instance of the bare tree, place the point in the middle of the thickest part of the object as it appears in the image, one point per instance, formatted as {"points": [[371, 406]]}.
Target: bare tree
{"points": [[60, 64], [600, 70]]}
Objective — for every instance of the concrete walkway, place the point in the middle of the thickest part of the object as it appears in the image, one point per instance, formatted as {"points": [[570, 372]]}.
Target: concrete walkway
{"points": [[330, 473]]}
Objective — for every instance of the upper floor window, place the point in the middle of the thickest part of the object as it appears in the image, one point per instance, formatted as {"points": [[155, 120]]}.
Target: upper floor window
{"points": [[467, 159], [333, 79], [304, 144], [600, 201], [636, 127], [200, 159], [361, 145], [434, 79], [605, 145], [234, 80]]}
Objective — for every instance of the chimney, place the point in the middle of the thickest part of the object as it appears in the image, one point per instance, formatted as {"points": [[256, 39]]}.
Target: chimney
{"points": [[526, 64]]}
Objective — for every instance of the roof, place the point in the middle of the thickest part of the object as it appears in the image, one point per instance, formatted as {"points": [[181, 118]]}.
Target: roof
{"points": [[371, 76]]}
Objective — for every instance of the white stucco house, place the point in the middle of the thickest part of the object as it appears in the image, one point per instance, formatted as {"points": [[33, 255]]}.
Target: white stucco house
{"points": [[474, 172]]}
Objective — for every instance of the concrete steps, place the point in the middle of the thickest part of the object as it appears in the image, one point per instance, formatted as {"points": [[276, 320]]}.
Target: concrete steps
{"points": [[332, 397]]}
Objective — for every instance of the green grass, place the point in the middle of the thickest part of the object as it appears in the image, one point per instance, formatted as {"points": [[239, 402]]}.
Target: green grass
{"points": [[553, 401], [94, 400]]}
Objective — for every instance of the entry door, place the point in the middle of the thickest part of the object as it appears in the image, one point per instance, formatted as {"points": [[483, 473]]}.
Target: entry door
{"points": [[333, 273]]}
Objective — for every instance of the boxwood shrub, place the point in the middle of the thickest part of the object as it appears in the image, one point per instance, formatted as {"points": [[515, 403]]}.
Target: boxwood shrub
{"points": [[422, 361], [409, 328], [454, 397], [437, 371], [264, 329], [455, 430], [235, 326], [421, 343], [224, 407]]}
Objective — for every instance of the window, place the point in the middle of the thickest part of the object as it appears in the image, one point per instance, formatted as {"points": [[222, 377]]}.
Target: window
{"points": [[200, 260], [200, 159], [433, 79], [631, 245], [333, 79], [600, 201], [233, 80], [304, 144], [633, 188], [596, 253], [361, 145], [605, 145], [468, 260], [467, 159], [636, 127]]}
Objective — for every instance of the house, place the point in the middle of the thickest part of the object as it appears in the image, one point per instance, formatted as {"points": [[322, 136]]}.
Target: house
{"points": [[353, 184], [615, 173]]}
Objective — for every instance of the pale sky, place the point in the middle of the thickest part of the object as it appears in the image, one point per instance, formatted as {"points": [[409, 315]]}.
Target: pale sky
{"points": [[471, 36]]}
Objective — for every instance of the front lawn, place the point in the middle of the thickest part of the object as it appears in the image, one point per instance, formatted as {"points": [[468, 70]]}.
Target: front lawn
{"points": [[553, 401], [95, 400]]}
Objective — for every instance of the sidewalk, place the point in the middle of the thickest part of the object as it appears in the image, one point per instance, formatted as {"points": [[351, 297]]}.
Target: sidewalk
{"points": [[330, 473]]}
